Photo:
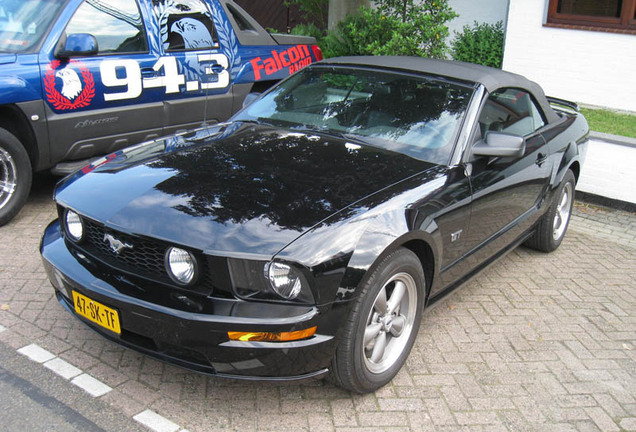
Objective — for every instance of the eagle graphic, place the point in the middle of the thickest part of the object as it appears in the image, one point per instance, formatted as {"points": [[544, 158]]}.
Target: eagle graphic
{"points": [[193, 32], [71, 84]]}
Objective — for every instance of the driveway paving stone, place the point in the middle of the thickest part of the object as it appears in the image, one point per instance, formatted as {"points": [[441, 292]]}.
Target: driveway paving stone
{"points": [[535, 342]]}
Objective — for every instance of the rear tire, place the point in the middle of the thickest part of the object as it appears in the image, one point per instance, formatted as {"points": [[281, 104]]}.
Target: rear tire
{"points": [[551, 228], [379, 334], [15, 176]]}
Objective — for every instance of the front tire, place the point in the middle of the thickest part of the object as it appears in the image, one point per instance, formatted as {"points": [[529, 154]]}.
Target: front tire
{"points": [[15, 176], [551, 228], [384, 322]]}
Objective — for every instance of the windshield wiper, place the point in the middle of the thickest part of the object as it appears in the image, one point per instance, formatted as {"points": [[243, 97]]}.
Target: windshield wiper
{"points": [[260, 121], [358, 139]]}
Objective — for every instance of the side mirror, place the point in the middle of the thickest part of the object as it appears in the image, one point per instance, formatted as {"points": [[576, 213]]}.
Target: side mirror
{"points": [[499, 144], [251, 97], [76, 45]]}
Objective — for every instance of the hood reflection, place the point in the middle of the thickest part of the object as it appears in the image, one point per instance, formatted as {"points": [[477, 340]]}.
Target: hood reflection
{"points": [[292, 179]]}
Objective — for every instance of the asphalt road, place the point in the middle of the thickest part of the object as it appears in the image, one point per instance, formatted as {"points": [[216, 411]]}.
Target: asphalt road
{"points": [[35, 399]]}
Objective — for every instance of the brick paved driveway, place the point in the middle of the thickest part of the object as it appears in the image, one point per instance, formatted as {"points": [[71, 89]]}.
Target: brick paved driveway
{"points": [[535, 342]]}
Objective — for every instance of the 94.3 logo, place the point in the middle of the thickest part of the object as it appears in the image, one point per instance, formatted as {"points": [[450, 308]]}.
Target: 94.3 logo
{"points": [[77, 88]]}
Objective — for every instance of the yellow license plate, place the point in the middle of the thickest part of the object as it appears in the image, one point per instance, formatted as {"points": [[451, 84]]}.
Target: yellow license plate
{"points": [[96, 312]]}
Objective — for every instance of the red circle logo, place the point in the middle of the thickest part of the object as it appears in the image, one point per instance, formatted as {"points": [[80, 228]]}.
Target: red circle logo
{"points": [[74, 94]]}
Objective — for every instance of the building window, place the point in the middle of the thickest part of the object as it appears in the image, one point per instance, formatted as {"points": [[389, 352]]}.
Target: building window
{"points": [[602, 14]]}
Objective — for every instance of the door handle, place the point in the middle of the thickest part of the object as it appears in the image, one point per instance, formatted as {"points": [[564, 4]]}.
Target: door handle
{"points": [[148, 73], [540, 159], [215, 68]]}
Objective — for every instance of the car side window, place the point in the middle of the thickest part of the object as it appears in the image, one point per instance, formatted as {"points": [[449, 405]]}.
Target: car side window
{"points": [[186, 26], [511, 111], [116, 24]]}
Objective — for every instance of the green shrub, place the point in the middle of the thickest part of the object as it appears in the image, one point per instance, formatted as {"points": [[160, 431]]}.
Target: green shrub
{"points": [[481, 44], [395, 27], [308, 30]]}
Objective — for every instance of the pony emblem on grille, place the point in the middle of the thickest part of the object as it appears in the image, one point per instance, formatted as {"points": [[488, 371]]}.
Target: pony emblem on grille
{"points": [[116, 245]]}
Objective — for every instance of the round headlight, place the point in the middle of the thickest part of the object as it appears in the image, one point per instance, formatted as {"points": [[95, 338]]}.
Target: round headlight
{"points": [[74, 225], [181, 265], [284, 280]]}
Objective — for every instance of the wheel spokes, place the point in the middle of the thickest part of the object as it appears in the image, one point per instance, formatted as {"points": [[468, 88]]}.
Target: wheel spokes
{"points": [[562, 214], [389, 323], [557, 221], [379, 347], [371, 332], [398, 325], [380, 305], [7, 187], [396, 297], [8, 177], [564, 201]]}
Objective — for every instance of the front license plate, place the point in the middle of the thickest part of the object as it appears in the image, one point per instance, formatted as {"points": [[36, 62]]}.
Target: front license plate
{"points": [[96, 312]]}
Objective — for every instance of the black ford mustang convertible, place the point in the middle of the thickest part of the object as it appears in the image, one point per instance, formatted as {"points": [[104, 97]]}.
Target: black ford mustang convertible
{"points": [[307, 235]]}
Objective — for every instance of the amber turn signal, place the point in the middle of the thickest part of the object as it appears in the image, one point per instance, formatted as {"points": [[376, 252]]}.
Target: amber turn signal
{"points": [[272, 337]]}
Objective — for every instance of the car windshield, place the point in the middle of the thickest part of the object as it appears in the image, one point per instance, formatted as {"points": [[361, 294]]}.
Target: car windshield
{"points": [[416, 115], [24, 22]]}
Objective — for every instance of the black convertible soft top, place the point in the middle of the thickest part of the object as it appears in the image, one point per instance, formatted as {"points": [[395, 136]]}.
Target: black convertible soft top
{"points": [[492, 79]]}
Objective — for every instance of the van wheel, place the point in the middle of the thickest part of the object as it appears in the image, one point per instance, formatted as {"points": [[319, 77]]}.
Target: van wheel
{"points": [[15, 176]]}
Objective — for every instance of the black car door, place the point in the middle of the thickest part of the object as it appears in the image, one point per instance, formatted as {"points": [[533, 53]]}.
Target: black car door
{"points": [[507, 191]]}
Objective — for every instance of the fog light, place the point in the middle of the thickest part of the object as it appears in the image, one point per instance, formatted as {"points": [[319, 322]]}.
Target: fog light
{"points": [[284, 280], [271, 336], [181, 265], [74, 225]]}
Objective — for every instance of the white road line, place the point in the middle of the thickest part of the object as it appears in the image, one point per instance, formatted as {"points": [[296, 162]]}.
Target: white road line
{"points": [[62, 368], [36, 353], [154, 421], [90, 385]]}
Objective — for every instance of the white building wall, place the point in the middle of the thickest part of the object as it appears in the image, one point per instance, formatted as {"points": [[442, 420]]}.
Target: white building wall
{"points": [[488, 11], [608, 171], [589, 67]]}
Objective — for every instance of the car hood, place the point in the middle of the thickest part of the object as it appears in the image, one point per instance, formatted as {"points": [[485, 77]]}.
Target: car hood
{"points": [[232, 189]]}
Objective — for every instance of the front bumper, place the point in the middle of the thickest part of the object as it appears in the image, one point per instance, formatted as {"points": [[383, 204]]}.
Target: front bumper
{"points": [[199, 341]]}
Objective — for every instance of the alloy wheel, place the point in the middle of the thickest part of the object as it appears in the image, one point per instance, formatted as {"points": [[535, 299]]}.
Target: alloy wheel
{"points": [[8, 177], [563, 210], [390, 323]]}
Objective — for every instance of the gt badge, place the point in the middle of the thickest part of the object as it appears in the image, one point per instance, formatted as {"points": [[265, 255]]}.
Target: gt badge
{"points": [[116, 245], [74, 92]]}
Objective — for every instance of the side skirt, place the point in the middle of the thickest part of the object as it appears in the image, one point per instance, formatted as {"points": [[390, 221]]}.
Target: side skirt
{"points": [[449, 289]]}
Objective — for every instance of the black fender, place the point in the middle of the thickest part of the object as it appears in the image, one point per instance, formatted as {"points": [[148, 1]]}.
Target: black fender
{"points": [[568, 142], [341, 250]]}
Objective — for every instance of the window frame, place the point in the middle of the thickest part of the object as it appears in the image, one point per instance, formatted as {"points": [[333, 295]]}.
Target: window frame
{"points": [[626, 22], [533, 101], [216, 43], [104, 53], [205, 11]]}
